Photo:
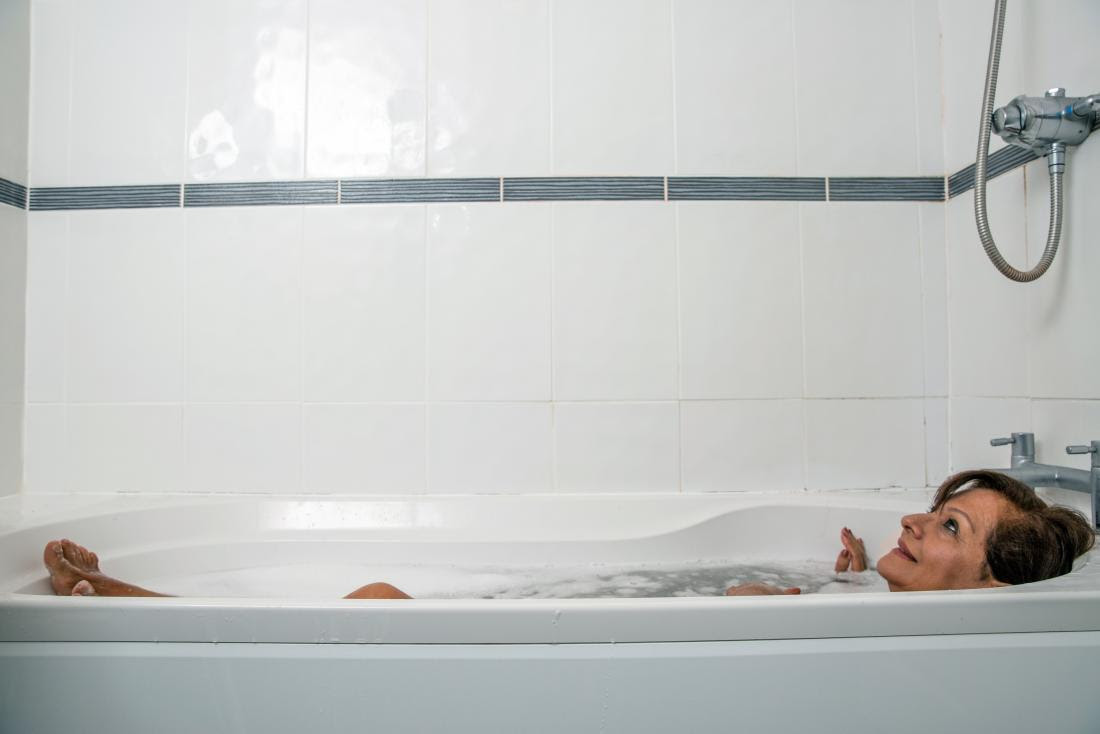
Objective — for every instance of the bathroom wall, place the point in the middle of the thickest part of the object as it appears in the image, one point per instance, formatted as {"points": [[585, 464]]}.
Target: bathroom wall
{"points": [[508, 346], [14, 90], [1022, 356]]}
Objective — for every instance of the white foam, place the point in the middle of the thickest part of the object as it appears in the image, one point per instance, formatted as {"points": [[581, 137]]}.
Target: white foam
{"points": [[442, 581]]}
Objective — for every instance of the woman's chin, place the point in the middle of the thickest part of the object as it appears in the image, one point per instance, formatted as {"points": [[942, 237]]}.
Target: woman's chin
{"points": [[889, 568]]}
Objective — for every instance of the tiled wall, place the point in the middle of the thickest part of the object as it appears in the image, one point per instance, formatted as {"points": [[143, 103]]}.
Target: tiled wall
{"points": [[1022, 356], [14, 97], [518, 346]]}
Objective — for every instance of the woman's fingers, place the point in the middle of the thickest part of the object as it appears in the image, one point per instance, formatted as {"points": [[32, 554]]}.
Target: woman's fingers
{"points": [[859, 560], [856, 554], [843, 560]]}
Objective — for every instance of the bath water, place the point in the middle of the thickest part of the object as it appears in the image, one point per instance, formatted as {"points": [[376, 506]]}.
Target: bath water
{"points": [[573, 581]]}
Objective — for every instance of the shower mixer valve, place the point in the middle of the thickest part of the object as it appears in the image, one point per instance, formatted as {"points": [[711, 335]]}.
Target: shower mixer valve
{"points": [[1039, 123]]}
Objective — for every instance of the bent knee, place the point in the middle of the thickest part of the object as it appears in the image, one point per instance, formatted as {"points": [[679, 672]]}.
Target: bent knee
{"points": [[378, 590]]}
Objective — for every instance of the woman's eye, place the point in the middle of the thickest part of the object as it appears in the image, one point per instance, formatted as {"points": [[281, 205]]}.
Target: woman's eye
{"points": [[951, 526]]}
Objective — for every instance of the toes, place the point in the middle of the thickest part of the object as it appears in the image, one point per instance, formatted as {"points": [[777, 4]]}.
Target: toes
{"points": [[83, 588], [53, 553]]}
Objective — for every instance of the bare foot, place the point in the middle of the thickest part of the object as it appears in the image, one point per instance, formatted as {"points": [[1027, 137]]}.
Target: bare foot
{"points": [[84, 588], [70, 564]]}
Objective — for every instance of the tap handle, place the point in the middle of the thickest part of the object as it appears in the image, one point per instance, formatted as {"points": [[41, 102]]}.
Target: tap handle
{"points": [[1094, 449], [1003, 441]]}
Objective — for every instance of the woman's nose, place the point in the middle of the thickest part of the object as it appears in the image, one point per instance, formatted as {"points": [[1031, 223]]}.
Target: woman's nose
{"points": [[914, 523]]}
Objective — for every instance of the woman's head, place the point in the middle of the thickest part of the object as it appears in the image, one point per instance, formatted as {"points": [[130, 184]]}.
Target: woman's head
{"points": [[984, 529]]}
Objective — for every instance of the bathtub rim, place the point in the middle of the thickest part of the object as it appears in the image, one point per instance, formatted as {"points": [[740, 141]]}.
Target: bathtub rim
{"points": [[1069, 603]]}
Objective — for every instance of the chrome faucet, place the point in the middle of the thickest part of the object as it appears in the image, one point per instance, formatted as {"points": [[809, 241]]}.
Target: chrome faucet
{"points": [[1028, 471]]}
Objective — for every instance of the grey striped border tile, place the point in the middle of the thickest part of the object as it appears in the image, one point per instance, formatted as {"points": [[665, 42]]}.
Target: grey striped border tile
{"points": [[263, 193], [1001, 161], [105, 197], [745, 188], [13, 194], [425, 190], [886, 188], [585, 188]]}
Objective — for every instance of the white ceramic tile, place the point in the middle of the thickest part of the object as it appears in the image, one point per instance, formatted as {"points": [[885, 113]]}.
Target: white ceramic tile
{"points": [[13, 299], [974, 421], [45, 450], [965, 29], [1065, 347], [1061, 423], [988, 341], [862, 290], [11, 448], [129, 77], [1059, 47], [489, 99], [489, 302], [615, 331], [363, 281], [612, 87], [624, 447], [928, 61], [47, 296], [933, 248], [51, 76], [246, 90], [125, 448], [742, 445], [859, 444], [15, 63], [719, 126], [737, 262], [1047, 37], [125, 306], [243, 448], [244, 304], [477, 449], [855, 56], [937, 461], [367, 65], [361, 449]]}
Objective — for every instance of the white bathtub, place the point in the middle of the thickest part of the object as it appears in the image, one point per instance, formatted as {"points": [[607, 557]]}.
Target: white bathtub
{"points": [[1012, 659]]}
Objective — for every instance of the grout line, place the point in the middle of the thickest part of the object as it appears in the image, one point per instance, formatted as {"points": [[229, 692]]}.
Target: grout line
{"points": [[802, 332], [185, 403], [675, 115], [67, 352], [426, 321], [186, 97], [553, 345], [550, 85], [427, 84], [921, 260], [679, 345], [301, 349], [794, 88], [305, 114]]}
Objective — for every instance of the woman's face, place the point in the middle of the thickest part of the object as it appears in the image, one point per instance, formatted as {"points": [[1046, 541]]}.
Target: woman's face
{"points": [[945, 549]]}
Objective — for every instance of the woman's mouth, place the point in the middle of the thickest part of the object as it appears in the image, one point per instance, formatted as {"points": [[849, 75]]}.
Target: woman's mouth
{"points": [[902, 551]]}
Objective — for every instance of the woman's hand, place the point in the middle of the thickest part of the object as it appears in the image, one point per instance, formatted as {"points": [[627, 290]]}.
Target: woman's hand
{"points": [[853, 556], [760, 590]]}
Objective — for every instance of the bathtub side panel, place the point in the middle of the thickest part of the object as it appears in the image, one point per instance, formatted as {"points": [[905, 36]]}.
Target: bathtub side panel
{"points": [[780, 686]]}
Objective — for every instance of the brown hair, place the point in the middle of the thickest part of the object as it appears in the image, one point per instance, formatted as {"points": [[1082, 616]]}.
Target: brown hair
{"points": [[1038, 541]]}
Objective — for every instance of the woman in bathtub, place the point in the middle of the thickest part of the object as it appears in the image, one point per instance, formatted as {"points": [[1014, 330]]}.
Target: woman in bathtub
{"points": [[984, 530]]}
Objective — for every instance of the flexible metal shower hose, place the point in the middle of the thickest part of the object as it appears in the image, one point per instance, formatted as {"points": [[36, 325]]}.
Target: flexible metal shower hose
{"points": [[1054, 231]]}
